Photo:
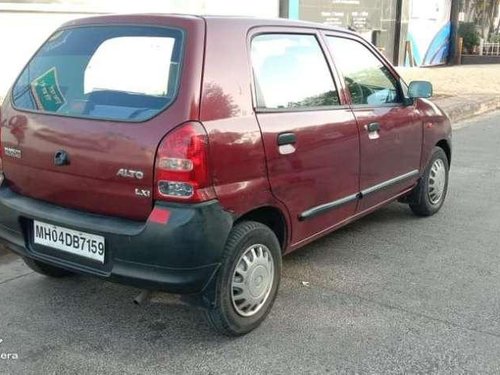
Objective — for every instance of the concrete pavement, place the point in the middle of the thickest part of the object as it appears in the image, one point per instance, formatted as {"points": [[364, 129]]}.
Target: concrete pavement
{"points": [[389, 294], [458, 80], [462, 91]]}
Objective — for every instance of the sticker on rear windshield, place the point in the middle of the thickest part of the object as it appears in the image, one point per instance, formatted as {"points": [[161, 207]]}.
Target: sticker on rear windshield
{"points": [[46, 91]]}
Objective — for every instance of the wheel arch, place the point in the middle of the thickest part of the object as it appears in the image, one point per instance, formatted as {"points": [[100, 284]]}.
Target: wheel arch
{"points": [[273, 218], [444, 144]]}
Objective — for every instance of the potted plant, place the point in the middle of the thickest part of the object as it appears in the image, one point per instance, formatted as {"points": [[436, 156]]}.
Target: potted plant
{"points": [[467, 31]]}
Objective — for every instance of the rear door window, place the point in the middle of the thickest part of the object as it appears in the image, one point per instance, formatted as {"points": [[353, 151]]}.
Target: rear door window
{"points": [[291, 73], [124, 73]]}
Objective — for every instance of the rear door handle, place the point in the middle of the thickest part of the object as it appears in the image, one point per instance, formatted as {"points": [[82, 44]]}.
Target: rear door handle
{"points": [[286, 139], [373, 127]]}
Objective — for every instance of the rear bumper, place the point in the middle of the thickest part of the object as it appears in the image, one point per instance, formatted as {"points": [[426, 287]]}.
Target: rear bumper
{"points": [[181, 255]]}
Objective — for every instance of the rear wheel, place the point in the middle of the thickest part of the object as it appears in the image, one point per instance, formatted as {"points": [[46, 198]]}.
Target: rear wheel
{"points": [[248, 281], [46, 269], [430, 193]]}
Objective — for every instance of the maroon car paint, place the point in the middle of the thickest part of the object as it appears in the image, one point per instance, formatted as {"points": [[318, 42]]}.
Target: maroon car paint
{"points": [[333, 159], [99, 149]]}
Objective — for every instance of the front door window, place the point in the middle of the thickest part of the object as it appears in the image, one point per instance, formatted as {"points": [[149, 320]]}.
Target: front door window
{"points": [[369, 81]]}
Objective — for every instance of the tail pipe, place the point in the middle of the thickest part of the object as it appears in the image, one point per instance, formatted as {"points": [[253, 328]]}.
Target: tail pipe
{"points": [[142, 297]]}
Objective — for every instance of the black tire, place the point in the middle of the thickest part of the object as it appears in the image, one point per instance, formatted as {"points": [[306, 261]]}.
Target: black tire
{"points": [[46, 269], [421, 203], [223, 316]]}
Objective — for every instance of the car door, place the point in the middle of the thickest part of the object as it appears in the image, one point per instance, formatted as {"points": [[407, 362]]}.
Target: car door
{"points": [[310, 136], [390, 126]]}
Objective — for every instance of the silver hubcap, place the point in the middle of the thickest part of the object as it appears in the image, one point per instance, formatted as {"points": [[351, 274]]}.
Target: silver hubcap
{"points": [[252, 280], [437, 181]]}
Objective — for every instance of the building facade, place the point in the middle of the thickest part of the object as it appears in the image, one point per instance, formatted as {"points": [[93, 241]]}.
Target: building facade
{"points": [[408, 32]]}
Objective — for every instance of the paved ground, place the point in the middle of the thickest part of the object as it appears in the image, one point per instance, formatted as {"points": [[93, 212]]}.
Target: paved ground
{"points": [[458, 80], [462, 91], [389, 294]]}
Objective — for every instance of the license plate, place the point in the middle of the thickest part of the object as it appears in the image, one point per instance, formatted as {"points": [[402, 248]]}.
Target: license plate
{"points": [[71, 241]]}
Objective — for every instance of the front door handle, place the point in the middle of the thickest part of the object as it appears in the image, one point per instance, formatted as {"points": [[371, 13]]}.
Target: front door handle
{"points": [[373, 127], [286, 143], [286, 139]]}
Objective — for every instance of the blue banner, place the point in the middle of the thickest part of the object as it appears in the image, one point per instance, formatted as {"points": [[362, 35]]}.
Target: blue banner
{"points": [[429, 30]]}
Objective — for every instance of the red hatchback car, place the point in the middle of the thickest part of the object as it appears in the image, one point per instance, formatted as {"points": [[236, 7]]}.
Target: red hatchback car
{"points": [[187, 154]]}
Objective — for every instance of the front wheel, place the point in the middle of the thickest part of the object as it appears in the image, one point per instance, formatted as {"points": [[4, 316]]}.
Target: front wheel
{"points": [[430, 193], [247, 283]]}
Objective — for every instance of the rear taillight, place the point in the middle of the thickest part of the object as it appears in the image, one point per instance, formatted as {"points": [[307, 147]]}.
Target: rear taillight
{"points": [[181, 171]]}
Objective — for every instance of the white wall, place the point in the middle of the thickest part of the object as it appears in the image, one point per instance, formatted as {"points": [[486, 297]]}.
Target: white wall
{"points": [[24, 27], [261, 8]]}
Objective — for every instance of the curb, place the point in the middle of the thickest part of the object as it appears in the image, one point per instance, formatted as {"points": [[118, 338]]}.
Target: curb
{"points": [[463, 108], [3, 250]]}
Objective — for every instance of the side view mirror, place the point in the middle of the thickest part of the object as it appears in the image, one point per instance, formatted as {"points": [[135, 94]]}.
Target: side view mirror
{"points": [[420, 89]]}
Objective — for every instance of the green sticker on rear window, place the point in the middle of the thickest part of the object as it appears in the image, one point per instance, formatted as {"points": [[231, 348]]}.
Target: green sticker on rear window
{"points": [[46, 91]]}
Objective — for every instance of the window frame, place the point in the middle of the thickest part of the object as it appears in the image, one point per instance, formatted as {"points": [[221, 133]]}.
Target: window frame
{"points": [[277, 30], [182, 53], [379, 57]]}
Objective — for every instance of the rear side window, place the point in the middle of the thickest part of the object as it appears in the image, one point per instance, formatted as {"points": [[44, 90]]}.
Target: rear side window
{"points": [[123, 73], [291, 72]]}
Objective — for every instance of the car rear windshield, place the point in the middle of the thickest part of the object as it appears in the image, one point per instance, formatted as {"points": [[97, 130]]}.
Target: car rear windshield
{"points": [[123, 73]]}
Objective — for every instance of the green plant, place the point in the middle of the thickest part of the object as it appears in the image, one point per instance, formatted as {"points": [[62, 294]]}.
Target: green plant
{"points": [[467, 31], [495, 38]]}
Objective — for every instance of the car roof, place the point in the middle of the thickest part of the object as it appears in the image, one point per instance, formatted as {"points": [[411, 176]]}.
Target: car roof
{"points": [[156, 18], [272, 21]]}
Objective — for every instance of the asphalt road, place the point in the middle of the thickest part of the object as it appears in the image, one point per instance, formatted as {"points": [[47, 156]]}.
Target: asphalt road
{"points": [[391, 293]]}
